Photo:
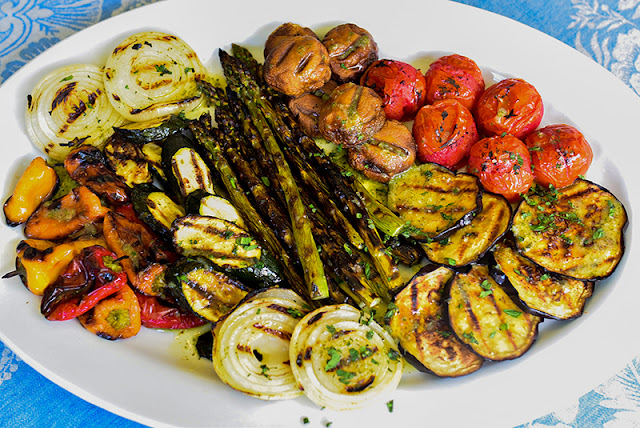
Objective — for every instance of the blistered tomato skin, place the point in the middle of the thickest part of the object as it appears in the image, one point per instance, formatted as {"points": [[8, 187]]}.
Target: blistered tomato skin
{"points": [[511, 106], [503, 165], [444, 133], [454, 76], [400, 85], [559, 154]]}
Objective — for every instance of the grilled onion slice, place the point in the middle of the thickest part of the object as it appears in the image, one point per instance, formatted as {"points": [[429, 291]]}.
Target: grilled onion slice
{"points": [[251, 345], [152, 74], [342, 361], [70, 103], [577, 231]]}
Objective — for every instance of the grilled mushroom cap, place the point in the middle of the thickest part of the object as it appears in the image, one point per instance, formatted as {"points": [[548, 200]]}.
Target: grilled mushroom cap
{"points": [[299, 64], [351, 115], [351, 50]]}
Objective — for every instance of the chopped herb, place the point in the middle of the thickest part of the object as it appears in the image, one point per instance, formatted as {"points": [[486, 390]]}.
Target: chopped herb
{"points": [[370, 334], [188, 70], [450, 262], [264, 371], [334, 359], [390, 406], [162, 69], [331, 329], [65, 79], [345, 376], [512, 312], [470, 337], [598, 233], [393, 355], [504, 326], [295, 313], [305, 420]]}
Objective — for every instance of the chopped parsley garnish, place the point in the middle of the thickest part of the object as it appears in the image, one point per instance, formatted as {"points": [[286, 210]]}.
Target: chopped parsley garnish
{"points": [[162, 69], [512, 312]]}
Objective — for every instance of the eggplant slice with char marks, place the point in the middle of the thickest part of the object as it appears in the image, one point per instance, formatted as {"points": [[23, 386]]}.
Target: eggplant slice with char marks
{"points": [[577, 231], [434, 200], [426, 339], [127, 161], [484, 317], [469, 243], [545, 293]]}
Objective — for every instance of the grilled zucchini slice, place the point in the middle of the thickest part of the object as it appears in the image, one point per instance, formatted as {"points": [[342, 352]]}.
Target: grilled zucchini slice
{"points": [[426, 339], [434, 200], [232, 249], [577, 231], [185, 169], [203, 203], [199, 287], [484, 317], [151, 130], [469, 243], [548, 294], [155, 208]]}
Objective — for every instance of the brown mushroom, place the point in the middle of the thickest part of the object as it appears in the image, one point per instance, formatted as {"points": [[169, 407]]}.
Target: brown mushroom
{"points": [[306, 108], [390, 151], [299, 64], [351, 50], [351, 115], [283, 32]]}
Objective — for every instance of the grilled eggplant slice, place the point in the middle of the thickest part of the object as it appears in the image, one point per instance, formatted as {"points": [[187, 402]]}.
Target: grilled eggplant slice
{"points": [[203, 203], [469, 243], [127, 161], [152, 130], [153, 154], [548, 294], [484, 317], [156, 209], [577, 231], [434, 200], [185, 169], [420, 324], [232, 249], [197, 286]]}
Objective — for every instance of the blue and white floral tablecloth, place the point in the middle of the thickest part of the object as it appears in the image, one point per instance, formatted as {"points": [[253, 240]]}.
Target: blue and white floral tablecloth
{"points": [[605, 30]]}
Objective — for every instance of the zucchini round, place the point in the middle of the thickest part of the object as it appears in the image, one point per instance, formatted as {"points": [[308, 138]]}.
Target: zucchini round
{"points": [[199, 287]]}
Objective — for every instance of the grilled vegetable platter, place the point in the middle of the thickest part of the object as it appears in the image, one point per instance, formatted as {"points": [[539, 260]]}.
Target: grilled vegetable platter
{"points": [[316, 220]]}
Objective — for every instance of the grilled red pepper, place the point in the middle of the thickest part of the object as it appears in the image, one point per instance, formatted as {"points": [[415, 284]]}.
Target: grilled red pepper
{"points": [[90, 277], [156, 314]]}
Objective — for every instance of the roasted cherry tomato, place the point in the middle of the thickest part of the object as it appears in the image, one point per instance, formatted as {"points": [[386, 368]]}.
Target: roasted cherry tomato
{"points": [[511, 106], [400, 85], [444, 132], [503, 165], [454, 76], [559, 154]]}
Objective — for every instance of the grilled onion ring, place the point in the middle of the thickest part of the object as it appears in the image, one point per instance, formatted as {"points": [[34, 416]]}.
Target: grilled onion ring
{"points": [[341, 361], [151, 75], [70, 103], [251, 345]]}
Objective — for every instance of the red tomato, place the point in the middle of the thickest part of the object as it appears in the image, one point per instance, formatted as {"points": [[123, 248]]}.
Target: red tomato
{"points": [[400, 85], [559, 154], [503, 165], [510, 106], [454, 76], [444, 132]]}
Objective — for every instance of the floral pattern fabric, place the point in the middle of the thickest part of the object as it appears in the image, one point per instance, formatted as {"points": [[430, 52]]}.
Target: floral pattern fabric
{"points": [[606, 31]]}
